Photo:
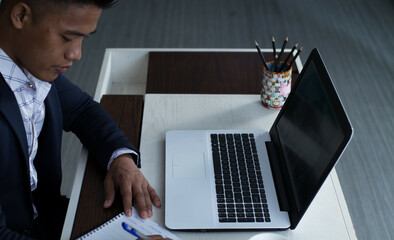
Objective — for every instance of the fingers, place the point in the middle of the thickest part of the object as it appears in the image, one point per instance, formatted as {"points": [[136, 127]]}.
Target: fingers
{"points": [[158, 237], [109, 189], [126, 192], [142, 200], [148, 203], [154, 197], [136, 189], [142, 194], [133, 186]]}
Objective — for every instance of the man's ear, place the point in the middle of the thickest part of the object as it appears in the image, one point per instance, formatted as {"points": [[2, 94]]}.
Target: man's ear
{"points": [[20, 14]]}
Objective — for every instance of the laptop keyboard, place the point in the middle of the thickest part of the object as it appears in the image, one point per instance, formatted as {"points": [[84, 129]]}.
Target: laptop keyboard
{"points": [[239, 185]]}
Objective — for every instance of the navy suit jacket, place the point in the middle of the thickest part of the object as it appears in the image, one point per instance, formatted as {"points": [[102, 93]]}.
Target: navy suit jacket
{"points": [[67, 108]]}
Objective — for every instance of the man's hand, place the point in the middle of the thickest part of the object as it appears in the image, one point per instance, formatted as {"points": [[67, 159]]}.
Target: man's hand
{"points": [[158, 237], [124, 175]]}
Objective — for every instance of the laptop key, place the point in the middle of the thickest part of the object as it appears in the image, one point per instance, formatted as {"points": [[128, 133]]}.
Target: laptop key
{"points": [[229, 194], [245, 219], [257, 206], [255, 198], [249, 210], [238, 197], [237, 189], [259, 215], [239, 205], [240, 215]]}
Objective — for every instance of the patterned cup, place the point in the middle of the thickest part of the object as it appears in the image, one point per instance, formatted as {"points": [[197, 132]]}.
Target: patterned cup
{"points": [[276, 87]]}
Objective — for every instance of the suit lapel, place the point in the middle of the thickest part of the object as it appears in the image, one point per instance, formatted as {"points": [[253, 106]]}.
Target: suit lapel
{"points": [[10, 110], [53, 116]]}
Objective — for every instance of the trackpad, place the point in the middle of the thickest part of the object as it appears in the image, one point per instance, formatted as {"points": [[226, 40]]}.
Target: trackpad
{"points": [[188, 165]]}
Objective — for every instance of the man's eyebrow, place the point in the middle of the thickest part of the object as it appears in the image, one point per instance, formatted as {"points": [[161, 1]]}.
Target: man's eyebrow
{"points": [[76, 33]]}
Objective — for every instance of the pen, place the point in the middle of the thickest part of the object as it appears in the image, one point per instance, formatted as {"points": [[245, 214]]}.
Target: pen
{"points": [[294, 58], [288, 57], [275, 55], [281, 51], [261, 55], [273, 47], [134, 231]]}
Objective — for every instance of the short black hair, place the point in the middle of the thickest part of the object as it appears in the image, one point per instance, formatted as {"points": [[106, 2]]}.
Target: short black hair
{"points": [[99, 3]]}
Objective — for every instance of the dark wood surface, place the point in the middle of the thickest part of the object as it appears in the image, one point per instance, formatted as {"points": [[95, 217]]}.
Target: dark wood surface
{"points": [[126, 111], [207, 72]]}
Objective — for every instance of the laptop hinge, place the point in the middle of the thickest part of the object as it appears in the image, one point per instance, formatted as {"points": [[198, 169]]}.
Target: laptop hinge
{"points": [[277, 175]]}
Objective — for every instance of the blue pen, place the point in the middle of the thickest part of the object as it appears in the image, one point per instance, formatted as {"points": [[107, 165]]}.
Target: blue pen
{"points": [[134, 231]]}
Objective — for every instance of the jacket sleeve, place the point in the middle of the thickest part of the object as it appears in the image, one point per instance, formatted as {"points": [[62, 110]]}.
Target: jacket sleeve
{"points": [[8, 234], [89, 121]]}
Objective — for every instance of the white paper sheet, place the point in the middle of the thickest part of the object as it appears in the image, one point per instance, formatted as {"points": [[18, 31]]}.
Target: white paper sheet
{"points": [[113, 228]]}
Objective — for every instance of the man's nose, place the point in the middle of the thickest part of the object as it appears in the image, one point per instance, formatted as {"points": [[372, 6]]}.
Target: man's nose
{"points": [[74, 53]]}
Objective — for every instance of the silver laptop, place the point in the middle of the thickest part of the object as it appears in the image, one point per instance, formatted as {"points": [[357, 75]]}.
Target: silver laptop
{"points": [[230, 179]]}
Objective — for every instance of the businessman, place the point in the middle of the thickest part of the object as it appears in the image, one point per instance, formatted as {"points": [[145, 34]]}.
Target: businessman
{"points": [[39, 41]]}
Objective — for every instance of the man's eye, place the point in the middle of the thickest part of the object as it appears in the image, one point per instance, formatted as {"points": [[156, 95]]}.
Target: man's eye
{"points": [[66, 39]]}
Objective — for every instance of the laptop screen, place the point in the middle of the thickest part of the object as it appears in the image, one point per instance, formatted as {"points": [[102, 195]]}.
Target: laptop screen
{"points": [[310, 135], [312, 131]]}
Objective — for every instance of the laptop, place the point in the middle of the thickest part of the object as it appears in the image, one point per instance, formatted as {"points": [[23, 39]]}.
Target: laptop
{"points": [[231, 179]]}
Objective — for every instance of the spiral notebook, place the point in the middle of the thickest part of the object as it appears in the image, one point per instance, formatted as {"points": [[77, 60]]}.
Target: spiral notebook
{"points": [[113, 229]]}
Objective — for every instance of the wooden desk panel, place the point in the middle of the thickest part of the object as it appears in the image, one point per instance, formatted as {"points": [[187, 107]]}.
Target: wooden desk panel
{"points": [[207, 72], [126, 111]]}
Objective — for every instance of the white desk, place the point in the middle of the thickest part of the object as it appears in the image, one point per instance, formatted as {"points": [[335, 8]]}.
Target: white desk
{"points": [[124, 72]]}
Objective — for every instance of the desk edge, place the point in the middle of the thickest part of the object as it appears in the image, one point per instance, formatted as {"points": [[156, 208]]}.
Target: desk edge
{"points": [[74, 198]]}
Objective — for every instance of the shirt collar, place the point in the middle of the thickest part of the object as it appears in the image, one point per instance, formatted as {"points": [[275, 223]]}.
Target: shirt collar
{"points": [[17, 78]]}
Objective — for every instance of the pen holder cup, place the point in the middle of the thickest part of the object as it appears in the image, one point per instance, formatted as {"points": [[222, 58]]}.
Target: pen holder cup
{"points": [[276, 86]]}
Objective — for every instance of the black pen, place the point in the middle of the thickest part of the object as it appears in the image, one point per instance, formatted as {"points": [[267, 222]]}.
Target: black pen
{"points": [[292, 61], [274, 68], [281, 51], [288, 57], [261, 55], [274, 49]]}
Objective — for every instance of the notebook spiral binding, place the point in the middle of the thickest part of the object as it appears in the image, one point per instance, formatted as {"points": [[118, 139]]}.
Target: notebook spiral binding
{"points": [[101, 227]]}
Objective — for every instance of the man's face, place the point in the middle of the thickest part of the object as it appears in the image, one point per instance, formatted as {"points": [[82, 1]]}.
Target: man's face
{"points": [[48, 47]]}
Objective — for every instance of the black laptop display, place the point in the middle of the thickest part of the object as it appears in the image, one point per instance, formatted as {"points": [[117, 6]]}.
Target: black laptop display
{"points": [[310, 133]]}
